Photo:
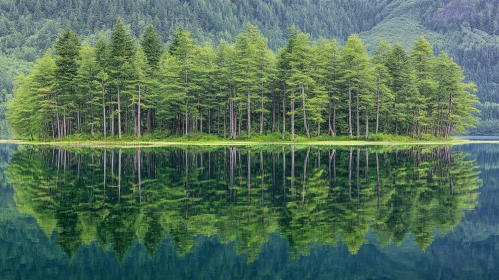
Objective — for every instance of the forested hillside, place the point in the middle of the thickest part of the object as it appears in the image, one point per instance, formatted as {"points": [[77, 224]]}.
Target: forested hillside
{"points": [[466, 29]]}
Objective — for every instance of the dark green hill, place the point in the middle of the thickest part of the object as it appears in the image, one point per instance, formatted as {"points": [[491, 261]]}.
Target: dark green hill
{"points": [[467, 29]]}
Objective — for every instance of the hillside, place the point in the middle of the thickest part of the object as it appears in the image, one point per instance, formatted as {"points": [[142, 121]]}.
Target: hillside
{"points": [[467, 29]]}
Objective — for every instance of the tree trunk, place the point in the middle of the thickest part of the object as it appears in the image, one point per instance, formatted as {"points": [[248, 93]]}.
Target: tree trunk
{"points": [[329, 125], [305, 123], [186, 117], [449, 124], [148, 121], [334, 119], [201, 122], [138, 117], [111, 111], [292, 166], [78, 127], [231, 119], [261, 114], [350, 133], [58, 126], [378, 97], [284, 113], [248, 105], [357, 105], [104, 110], [119, 113], [240, 119], [292, 119], [367, 122], [273, 112], [64, 126]]}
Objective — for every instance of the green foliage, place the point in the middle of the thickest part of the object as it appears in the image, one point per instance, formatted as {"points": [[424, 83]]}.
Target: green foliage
{"points": [[195, 89], [467, 31], [34, 101]]}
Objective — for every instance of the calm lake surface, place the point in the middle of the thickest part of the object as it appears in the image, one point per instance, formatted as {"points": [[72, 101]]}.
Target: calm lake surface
{"points": [[250, 213]]}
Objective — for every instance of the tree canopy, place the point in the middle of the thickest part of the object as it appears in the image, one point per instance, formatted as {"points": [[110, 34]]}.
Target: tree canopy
{"points": [[120, 86]]}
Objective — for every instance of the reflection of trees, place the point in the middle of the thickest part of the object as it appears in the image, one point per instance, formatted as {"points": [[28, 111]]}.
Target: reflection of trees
{"points": [[310, 196]]}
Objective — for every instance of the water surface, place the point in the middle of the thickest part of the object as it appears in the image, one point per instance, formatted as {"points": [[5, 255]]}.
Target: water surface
{"points": [[249, 213]]}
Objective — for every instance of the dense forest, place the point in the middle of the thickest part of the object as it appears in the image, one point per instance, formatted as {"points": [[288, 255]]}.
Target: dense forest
{"points": [[466, 29], [120, 87]]}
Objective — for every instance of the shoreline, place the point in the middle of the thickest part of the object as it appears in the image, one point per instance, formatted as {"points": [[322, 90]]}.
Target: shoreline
{"points": [[135, 144]]}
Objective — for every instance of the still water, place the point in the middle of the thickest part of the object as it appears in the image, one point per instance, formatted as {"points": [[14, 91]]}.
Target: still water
{"points": [[249, 213]]}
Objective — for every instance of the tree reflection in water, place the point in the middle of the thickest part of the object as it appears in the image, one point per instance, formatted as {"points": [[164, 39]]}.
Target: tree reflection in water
{"points": [[309, 196]]}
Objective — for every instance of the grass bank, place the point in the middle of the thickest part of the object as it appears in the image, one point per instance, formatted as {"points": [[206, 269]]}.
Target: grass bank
{"points": [[206, 140]]}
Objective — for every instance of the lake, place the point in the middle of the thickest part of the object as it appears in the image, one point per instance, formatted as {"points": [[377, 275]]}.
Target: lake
{"points": [[270, 212]]}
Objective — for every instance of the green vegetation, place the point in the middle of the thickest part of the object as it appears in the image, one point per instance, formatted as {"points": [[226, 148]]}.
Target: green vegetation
{"points": [[111, 197], [236, 91], [467, 30]]}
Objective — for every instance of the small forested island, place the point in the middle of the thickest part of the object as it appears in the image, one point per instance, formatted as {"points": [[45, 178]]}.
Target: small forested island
{"points": [[141, 89]]}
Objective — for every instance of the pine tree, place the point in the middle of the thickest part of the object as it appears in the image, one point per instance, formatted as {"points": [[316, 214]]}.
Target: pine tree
{"points": [[300, 80], [121, 62], [67, 48], [423, 60], [455, 100], [102, 57], [382, 94], [181, 60], [87, 97], [250, 47], [403, 88], [283, 74], [32, 111], [323, 69], [354, 74], [153, 49], [203, 71], [140, 85], [152, 46], [328, 57], [225, 82]]}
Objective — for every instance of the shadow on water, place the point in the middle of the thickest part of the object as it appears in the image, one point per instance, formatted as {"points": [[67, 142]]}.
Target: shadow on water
{"points": [[122, 209]]}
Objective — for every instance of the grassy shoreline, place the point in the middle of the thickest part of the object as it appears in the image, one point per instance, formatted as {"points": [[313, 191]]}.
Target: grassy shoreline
{"points": [[200, 142]]}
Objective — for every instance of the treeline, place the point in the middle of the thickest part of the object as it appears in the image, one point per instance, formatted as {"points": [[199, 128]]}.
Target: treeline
{"points": [[235, 90]]}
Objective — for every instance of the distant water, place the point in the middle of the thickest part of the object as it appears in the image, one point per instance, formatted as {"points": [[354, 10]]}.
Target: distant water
{"points": [[478, 138]]}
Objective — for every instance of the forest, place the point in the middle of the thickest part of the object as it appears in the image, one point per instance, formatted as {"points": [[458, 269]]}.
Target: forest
{"points": [[466, 30], [123, 87]]}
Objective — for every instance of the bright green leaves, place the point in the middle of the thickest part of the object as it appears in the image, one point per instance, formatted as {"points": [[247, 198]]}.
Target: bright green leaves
{"points": [[454, 98], [355, 75], [34, 100], [192, 89], [252, 68]]}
